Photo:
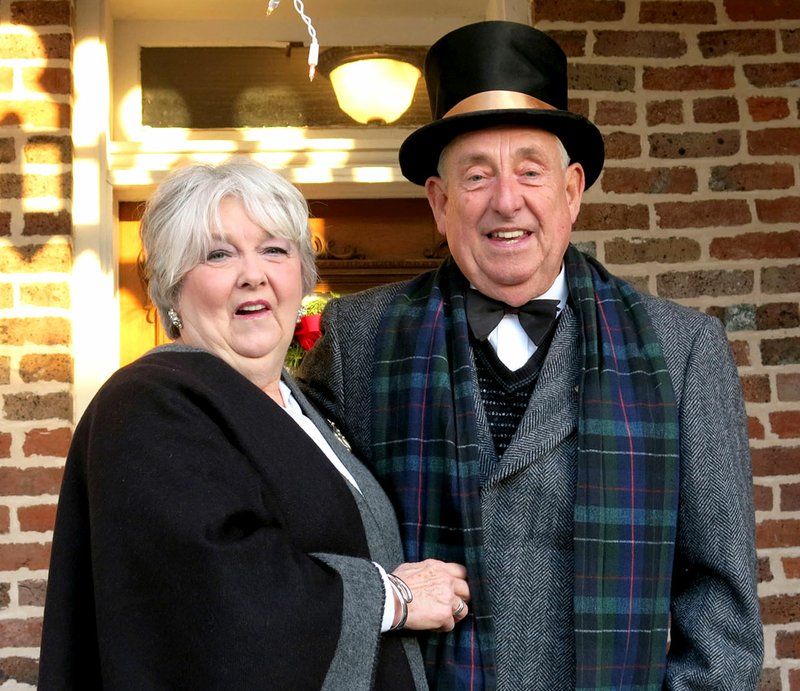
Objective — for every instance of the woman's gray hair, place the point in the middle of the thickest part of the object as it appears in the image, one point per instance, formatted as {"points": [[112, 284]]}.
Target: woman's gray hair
{"points": [[182, 217]]}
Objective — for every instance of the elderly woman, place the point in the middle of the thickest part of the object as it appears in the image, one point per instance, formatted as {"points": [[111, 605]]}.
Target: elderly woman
{"points": [[212, 531]]}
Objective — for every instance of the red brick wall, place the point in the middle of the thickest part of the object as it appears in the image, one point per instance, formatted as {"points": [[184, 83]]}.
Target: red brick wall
{"points": [[35, 356], [699, 202]]}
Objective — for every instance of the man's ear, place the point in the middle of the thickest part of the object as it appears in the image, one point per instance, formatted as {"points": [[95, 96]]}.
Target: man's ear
{"points": [[437, 198], [575, 185]]}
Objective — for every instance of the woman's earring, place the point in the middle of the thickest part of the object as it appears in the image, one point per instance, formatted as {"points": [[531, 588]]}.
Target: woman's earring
{"points": [[174, 319]]}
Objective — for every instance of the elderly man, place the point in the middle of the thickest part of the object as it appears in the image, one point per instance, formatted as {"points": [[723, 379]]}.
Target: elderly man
{"points": [[584, 453]]}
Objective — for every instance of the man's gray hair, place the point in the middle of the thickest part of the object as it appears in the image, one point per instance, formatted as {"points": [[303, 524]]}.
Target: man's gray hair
{"points": [[565, 160], [182, 217]]}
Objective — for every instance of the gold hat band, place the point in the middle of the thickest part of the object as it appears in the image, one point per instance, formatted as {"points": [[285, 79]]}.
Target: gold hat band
{"points": [[496, 100]]}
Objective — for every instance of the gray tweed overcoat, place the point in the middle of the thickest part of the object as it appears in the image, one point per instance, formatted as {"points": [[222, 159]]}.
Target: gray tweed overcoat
{"points": [[527, 497]]}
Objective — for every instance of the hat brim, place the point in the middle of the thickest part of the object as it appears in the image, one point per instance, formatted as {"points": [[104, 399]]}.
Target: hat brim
{"points": [[419, 153]]}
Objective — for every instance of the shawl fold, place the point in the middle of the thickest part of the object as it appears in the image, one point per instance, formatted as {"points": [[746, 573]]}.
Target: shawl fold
{"points": [[426, 452]]}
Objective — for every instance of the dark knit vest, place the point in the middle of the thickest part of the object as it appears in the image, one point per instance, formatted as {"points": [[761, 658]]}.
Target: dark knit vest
{"points": [[505, 393]]}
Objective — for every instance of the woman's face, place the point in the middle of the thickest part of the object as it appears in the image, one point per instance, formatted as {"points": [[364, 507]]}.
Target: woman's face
{"points": [[241, 303]]}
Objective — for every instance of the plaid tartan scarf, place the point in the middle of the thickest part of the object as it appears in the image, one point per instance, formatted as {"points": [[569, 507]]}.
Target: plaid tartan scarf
{"points": [[426, 452]]}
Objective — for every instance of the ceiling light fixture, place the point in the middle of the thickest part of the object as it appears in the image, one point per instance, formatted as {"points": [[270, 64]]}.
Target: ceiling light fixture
{"points": [[373, 85]]}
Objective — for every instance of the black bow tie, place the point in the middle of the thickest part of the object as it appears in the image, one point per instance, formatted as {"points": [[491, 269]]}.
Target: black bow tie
{"points": [[484, 314]]}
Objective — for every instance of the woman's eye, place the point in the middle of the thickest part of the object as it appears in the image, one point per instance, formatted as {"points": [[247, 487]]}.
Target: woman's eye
{"points": [[273, 250], [216, 255]]}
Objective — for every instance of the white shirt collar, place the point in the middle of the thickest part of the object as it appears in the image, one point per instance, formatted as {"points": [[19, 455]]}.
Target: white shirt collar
{"points": [[509, 339]]}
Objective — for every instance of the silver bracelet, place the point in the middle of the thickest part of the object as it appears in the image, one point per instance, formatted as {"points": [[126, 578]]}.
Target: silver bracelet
{"points": [[402, 588], [405, 596]]}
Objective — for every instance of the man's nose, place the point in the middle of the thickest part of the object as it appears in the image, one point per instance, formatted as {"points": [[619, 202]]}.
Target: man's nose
{"points": [[507, 198]]}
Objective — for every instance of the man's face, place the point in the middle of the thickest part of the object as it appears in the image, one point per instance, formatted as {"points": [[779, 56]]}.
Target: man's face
{"points": [[506, 205]]}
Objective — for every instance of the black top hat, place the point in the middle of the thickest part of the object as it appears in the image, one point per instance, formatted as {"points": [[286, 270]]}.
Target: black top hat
{"points": [[498, 73]]}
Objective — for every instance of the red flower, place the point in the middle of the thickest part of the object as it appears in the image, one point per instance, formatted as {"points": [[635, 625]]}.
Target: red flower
{"points": [[307, 330]]}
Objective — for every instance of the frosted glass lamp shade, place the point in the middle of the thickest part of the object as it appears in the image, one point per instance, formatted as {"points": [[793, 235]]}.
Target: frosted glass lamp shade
{"points": [[374, 89]]}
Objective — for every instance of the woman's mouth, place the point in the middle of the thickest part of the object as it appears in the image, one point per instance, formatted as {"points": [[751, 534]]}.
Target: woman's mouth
{"points": [[252, 309]]}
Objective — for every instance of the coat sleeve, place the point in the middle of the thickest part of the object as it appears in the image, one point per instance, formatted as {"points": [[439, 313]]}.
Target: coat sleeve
{"points": [[198, 581], [716, 634]]}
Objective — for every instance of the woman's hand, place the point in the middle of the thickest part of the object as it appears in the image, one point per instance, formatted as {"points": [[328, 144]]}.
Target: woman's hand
{"points": [[440, 594]]}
